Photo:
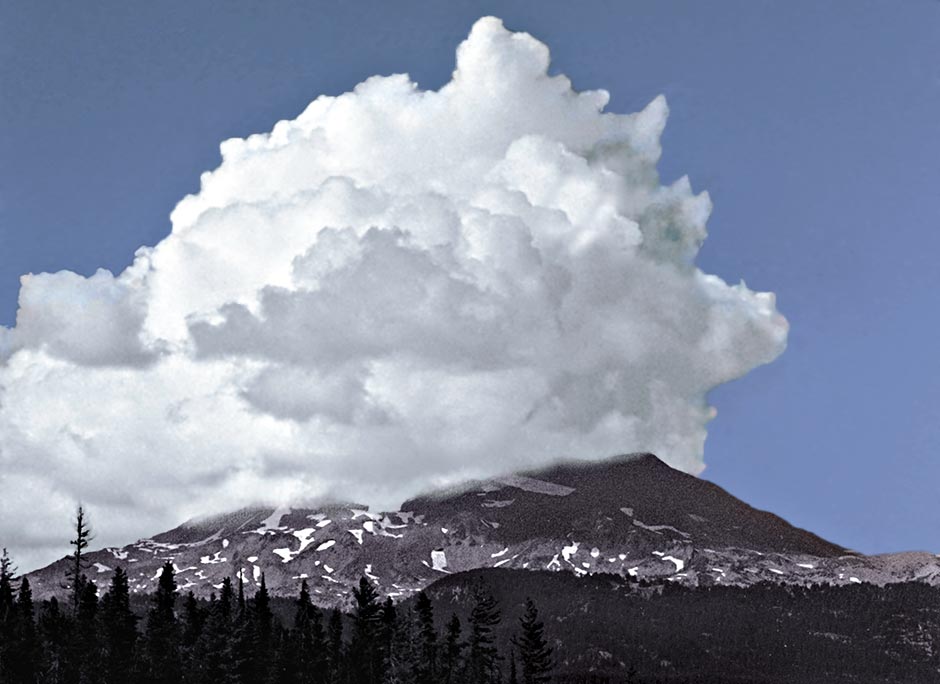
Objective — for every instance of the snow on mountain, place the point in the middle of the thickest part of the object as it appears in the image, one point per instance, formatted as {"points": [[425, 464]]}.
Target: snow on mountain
{"points": [[633, 515]]}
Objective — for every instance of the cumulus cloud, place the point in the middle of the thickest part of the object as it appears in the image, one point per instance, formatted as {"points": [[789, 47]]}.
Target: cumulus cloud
{"points": [[397, 289]]}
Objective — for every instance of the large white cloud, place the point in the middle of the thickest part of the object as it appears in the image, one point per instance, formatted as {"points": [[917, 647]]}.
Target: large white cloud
{"points": [[398, 288]]}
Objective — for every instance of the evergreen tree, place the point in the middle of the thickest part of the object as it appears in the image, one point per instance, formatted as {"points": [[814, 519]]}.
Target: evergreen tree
{"points": [[255, 636], [534, 651], [84, 645], [193, 621], [77, 564], [365, 664], [513, 677], [226, 597], [24, 656], [7, 612], [426, 670], [483, 656], [53, 630], [262, 611], [395, 639], [211, 659], [163, 631], [119, 629], [309, 644], [452, 657], [240, 603], [335, 647]]}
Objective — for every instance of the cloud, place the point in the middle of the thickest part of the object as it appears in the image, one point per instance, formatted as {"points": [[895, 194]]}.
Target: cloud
{"points": [[395, 290]]}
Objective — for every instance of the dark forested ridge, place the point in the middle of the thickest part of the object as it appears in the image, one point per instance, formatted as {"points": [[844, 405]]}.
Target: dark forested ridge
{"points": [[479, 627]]}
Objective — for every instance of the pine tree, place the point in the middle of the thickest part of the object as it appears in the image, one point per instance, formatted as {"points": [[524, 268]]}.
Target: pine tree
{"points": [[309, 644], [163, 630], [7, 612], [77, 564], [119, 627], [193, 620], [365, 664], [54, 630], [451, 658], [483, 657], [534, 651], [84, 645], [395, 645], [240, 603], [24, 656], [335, 647], [426, 670], [211, 659], [257, 633], [226, 596]]}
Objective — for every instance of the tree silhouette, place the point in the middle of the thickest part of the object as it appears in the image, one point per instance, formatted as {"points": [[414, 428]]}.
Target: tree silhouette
{"points": [[163, 631], [452, 657], [426, 671], [483, 656], [365, 660], [335, 647], [534, 651], [77, 564], [119, 629], [7, 617]]}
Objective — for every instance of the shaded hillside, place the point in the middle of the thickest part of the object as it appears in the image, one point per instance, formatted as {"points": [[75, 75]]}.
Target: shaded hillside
{"points": [[602, 627]]}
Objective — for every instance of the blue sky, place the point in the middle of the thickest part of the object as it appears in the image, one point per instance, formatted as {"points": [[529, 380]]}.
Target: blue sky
{"points": [[814, 126]]}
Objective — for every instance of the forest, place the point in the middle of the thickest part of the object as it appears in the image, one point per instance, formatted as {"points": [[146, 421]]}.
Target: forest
{"points": [[487, 626], [233, 639]]}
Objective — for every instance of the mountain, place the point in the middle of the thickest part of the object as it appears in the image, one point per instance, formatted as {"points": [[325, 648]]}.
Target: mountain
{"points": [[631, 516]]}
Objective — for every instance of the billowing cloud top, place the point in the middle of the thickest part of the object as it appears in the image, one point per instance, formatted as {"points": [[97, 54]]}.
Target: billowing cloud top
{"points": [[397, 289]]}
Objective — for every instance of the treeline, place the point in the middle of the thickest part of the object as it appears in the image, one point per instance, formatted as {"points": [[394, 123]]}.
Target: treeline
{"points": [[232, 639]]}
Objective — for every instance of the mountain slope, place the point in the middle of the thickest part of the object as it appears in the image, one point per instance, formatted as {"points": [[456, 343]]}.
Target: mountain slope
{"points": [[631, 516]]}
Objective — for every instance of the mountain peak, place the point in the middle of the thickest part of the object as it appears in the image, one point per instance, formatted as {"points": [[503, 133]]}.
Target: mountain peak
{"points": [[631, 515]]}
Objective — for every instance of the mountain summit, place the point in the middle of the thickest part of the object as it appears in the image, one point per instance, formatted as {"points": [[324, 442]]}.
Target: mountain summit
{"points": [[630, 516]]}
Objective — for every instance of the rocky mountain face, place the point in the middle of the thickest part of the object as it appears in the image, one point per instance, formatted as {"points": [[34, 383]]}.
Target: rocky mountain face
{"points": [[630, 516]]}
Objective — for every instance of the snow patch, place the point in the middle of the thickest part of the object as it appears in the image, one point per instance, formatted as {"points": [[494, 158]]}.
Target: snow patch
{"points": [[285, 554], [273, 521], [679, 563], [530, 484], [658, 529], [438, 560], [305, 536]]}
